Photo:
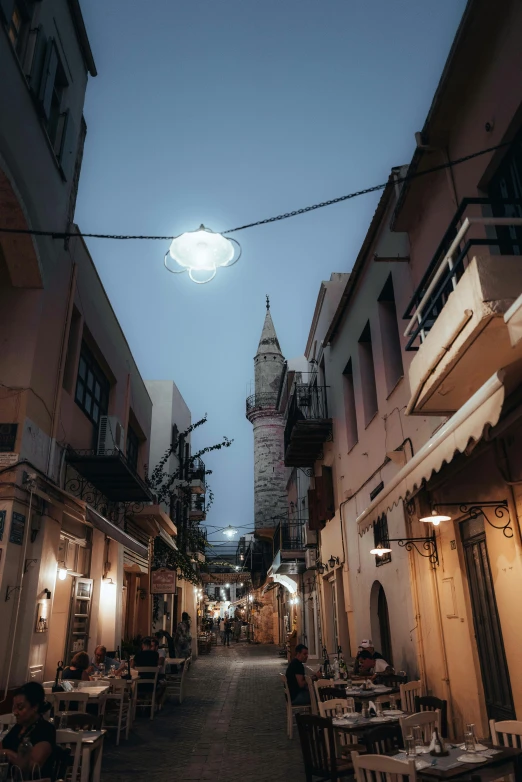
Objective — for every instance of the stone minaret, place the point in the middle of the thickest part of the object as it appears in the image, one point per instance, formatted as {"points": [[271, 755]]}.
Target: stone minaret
{"points": [[270, 497]]}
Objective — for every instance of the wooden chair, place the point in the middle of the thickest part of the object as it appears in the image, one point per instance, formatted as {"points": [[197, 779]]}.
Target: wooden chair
{"points": [[427, 721], [119, 701], [7, 721], [77, 698], [390, 679], [507, 733], [430, 703], [383, 740], [291, 710], [73, 741], [326, 690], [328, 709], [408, 692], [145, 690], [313, 695], [377, 768], [317, 738], [85, 721], [175, 682]]}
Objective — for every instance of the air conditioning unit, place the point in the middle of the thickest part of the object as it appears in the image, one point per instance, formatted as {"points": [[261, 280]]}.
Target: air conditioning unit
{"points": [[111, 435], [310, 537], [310, 558]]}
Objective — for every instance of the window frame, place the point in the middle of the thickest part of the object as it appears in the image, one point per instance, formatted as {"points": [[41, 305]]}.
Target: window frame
{"points": [[132, 448], [381, 536], [93, 367]]}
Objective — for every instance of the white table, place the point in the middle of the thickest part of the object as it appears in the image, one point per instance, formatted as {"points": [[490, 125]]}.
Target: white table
{"points": [[92, 751], [94, 692]]}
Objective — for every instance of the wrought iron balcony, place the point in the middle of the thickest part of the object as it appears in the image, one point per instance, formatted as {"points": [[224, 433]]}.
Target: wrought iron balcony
{"points": [[197, 511], [289, 547], [307, 425], [261, 401], [196, 476], [108, 474]]}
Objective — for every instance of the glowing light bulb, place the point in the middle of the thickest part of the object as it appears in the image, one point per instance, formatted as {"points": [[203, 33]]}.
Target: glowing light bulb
{"points": [[62, 573]]}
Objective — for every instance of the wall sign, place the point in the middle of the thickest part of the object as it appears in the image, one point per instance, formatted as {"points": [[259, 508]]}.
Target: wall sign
{"points": [[16, 534], [7, 437], [2, 523], [163, 581], [8, 459]]}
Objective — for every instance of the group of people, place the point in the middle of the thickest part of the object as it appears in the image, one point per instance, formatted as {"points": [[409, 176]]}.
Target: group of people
{"points": [[229, 627], [31, 743], [368, 662]]}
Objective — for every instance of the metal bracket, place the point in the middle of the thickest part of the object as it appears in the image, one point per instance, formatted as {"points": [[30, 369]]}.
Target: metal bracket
{"points": [[9, 591], [474, 509], [429, 545]]}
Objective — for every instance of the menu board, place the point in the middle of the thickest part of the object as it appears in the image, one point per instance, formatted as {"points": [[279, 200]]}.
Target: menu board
{"points": [[163, 581]]}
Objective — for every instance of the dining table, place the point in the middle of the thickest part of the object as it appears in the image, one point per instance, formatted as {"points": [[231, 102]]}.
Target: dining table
{"points": [[357, 724], [92, 751], [502, 761]]}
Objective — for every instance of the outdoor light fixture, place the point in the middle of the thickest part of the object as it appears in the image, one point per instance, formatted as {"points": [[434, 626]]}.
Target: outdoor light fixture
{"points": [[333, 561], [428, 544], [380, 551], [435, 518], [227, 586], [201, 253], [241, 584], [62, 573], [230, 531], [321, 567]]}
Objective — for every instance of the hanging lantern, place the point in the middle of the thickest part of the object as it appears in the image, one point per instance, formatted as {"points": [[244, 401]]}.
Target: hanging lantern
{"points": [[201, 253]]}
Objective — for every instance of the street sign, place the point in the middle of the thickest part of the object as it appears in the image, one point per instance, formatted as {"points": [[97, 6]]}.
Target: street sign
{"points": [[163, 581]]}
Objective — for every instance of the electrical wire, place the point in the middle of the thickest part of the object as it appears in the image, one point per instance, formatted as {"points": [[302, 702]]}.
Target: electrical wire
{"points": [[266, 221]]}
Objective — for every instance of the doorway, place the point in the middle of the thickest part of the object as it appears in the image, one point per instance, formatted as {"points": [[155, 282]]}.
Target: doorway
{"points": [[486, 621], [380, 622]]}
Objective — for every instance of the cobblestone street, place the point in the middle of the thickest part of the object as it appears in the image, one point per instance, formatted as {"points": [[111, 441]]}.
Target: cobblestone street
{"points": [[230, 726]]}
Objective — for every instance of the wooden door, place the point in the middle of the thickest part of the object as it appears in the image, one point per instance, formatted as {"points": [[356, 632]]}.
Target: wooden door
{"points": [[488, 630], [384, 626]]}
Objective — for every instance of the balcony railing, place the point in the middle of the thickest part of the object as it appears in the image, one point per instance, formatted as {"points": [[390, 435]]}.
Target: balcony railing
{"points": [[450, 259], [196, 475], [197, 511], [110, 474], [261, 401], [307, 425], [289, 536]]}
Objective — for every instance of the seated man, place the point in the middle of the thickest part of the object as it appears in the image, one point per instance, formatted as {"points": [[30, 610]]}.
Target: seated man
{"points": [[369, 665], [100, 658], [366, 651], [162, 653], [295, 676]]}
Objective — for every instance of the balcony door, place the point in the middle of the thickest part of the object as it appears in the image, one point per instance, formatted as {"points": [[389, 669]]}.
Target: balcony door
{"points": [[507, 183], [488, 630]]}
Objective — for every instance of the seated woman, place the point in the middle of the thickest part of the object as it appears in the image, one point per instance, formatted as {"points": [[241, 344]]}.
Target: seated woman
{"points": [[77, 668], [39, 750]]}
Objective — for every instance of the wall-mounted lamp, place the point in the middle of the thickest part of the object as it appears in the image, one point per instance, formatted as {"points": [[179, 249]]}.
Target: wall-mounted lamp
{"points": [[475, 509], [62, 573], [108, 580], [47, 593], [429, 544], [333, 561], [321, 567]]}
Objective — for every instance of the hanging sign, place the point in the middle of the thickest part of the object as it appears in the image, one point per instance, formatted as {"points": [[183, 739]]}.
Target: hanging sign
{"points": [[163, 581]]}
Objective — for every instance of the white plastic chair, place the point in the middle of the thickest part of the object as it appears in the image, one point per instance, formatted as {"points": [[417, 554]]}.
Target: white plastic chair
{"points": [[68, 738], [122, 696], [176, 681], [313, 695], [291, 710], [7, 721], [65, 698]]}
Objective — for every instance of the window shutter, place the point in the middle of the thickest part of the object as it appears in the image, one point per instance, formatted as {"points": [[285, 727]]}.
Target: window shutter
{"points": [[67, 154], [319, 494], [6, 9], [313, 515], [35, 58], [328, 493], [45, 94]]}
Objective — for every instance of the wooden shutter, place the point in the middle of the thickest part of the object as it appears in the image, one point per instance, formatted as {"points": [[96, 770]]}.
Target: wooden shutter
{"points": [[6, 9], [45, 94], [328, 493], [68, 146], [313, 516]]}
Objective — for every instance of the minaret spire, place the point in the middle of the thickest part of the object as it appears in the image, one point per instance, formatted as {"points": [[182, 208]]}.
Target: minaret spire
{"points": [[267, 303]]}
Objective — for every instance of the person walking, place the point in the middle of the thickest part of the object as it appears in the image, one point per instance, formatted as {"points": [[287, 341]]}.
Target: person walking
{"points": [[222, 630], [237, 629], [228, 631], [183, 637]]}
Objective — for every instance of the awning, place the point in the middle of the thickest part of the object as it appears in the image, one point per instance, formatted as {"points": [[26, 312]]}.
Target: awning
{"points": [[158, 515], [167, 539], [467, 424], [115, 533]]}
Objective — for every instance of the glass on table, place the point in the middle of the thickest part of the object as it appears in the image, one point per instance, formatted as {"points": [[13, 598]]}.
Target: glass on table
{"points": [[350, 708], [393, 702], [418, 738], [469, 742], [378, 709], [338, 711], [411, 750]]}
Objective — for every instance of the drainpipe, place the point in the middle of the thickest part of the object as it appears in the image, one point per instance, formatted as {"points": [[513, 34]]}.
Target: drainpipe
{"points": [[21, 574], [61, 370], [446, 677]]}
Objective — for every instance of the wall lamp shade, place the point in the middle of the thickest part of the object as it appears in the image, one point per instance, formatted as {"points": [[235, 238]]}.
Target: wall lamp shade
{"points": [[380, 551], [62, 573], [435, 518], [201, 253], [333, 561]]}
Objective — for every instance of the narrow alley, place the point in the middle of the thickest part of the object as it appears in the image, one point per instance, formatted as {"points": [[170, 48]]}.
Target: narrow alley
{"points": [[230, 726]]}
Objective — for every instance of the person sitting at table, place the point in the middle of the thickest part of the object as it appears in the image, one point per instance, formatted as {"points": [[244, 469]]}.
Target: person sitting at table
{"points": [[29, 705], [100, 657], [366, 651], [77, 668], [368, 666], [146, 658], [295, 677], [162, 653]]}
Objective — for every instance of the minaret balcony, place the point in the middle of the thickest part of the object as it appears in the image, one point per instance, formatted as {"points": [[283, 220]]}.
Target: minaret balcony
{"points": [[308, 426], [266, 400]]}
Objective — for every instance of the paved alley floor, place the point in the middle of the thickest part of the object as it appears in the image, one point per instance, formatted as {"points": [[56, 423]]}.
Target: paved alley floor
{"points": [[230, 726]]}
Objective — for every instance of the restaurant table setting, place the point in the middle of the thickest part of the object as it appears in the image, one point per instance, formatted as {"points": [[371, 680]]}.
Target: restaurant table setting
{"points": [[455, 758], [357, 720]]}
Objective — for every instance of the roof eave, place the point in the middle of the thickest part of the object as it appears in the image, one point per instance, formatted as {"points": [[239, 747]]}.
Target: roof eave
{"points": [[83, 39]]}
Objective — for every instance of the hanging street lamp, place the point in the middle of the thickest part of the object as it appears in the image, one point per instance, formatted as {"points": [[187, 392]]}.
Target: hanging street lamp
{"points": [[201, 253]]}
